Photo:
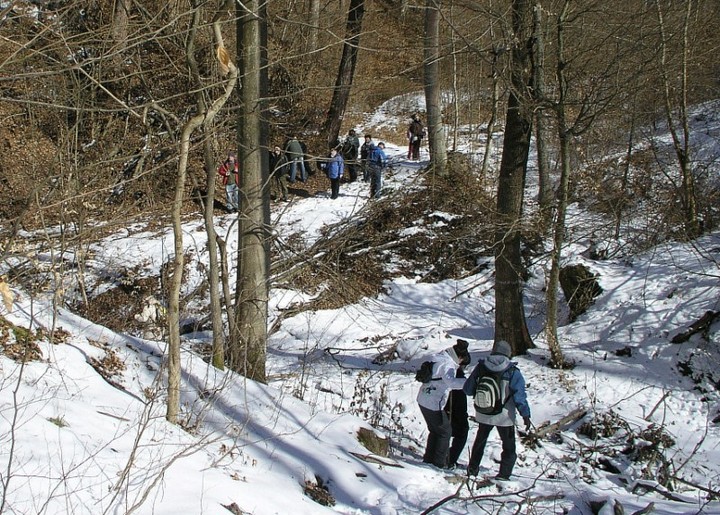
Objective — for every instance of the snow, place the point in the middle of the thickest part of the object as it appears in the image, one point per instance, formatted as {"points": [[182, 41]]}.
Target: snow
{"points": [[72, 441]]}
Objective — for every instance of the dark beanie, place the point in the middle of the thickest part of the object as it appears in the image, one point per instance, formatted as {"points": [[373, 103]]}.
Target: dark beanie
{"points": [[461, 351]]}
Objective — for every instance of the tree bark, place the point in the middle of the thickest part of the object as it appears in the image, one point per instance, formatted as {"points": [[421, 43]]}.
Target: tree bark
{"points": [[314, 25], [556, 355], [173, 317], [346, 71], [120, 24], [681, 137], [545, 192], [510, 324], [431, 70], [248, 351]]}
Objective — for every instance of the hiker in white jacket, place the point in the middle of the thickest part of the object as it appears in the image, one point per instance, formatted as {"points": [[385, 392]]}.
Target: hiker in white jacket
{"points": [[433, 398]]}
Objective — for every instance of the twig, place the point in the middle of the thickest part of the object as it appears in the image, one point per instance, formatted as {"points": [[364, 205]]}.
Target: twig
{"points": [[662, 399], [695, 485]]}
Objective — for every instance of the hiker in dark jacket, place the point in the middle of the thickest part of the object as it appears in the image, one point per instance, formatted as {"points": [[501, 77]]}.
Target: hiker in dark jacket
{"points": [[433, 400], [335, 172], [350, 153], [415, 134], [294, 154], [278, 172], [514, 399], [364, 153]]}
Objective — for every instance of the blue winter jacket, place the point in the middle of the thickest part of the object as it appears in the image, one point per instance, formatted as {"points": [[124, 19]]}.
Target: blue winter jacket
{"points": [[513, 383], [377, 157], [335, 167]]}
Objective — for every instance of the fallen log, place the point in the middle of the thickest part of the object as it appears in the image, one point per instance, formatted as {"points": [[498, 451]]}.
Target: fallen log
{"points": [[568, 419], [702, 324]]}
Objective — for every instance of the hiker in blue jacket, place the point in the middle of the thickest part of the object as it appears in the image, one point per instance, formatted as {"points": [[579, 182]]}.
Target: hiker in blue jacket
{"points": [[433, 400], [335, 172], [376, 162], [513, 399]]}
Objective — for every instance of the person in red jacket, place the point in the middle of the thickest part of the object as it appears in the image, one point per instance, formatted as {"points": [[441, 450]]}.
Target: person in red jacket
{"points": [[230, 176]]}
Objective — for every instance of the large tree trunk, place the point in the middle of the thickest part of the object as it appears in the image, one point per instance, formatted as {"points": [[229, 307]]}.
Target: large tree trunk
{"points": [[510, 322], [346, 72], [431, 69], [248, 353]]}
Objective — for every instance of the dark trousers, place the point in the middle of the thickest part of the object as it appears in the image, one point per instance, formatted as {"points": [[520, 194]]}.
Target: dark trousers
{"points": [[352, 170], [438, 442], [280, 182], [334, 187], [414, 150], [375, 181], [508, 456], [460, 429]]}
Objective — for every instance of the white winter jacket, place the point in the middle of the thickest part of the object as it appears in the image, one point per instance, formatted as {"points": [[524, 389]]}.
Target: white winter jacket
{"points": [[434, 395]]}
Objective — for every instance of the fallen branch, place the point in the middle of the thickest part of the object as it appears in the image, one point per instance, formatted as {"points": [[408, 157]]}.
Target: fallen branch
{"points": [[568, 419], [695, 485], [649, 485], [371, 458], [702, 324]]}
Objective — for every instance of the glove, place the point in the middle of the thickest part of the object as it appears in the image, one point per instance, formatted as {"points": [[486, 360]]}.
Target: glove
{"points": [[415, 138], [528, 423]]}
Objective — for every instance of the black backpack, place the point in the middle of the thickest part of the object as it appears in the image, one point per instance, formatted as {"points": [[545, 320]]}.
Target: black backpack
{"points": [[424, 374], [489, 398]]}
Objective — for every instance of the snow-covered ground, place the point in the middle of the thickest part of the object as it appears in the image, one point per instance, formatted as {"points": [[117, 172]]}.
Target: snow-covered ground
{"points": [[72, 441]]}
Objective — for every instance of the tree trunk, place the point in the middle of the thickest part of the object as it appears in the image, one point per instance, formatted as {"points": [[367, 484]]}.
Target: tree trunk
{"points": [[556, 356], [431, 70], [346, 71], [248, 353], [120, 24], [314, 26], [510, 322], [681, 143], [214, 273], [495, 99], [545, 193], [173, 316]]}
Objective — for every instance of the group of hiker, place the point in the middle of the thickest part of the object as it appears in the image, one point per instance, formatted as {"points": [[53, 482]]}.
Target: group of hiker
{"points": [[288, 164], [497, 388]]}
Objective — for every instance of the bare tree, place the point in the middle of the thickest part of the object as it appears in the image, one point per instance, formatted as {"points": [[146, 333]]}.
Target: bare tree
{"points": [[248, 345], [173, 317], [510, 322], [314, 25], [545, 190], [676, 108], [346, 71], [564, 136], [431, 72]]}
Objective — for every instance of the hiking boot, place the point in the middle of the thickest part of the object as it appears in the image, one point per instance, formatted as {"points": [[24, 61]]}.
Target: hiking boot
{"points": [[473, 471]]}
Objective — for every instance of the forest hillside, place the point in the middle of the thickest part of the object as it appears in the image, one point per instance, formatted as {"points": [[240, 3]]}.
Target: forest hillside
{"points": [[622, 373]]}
